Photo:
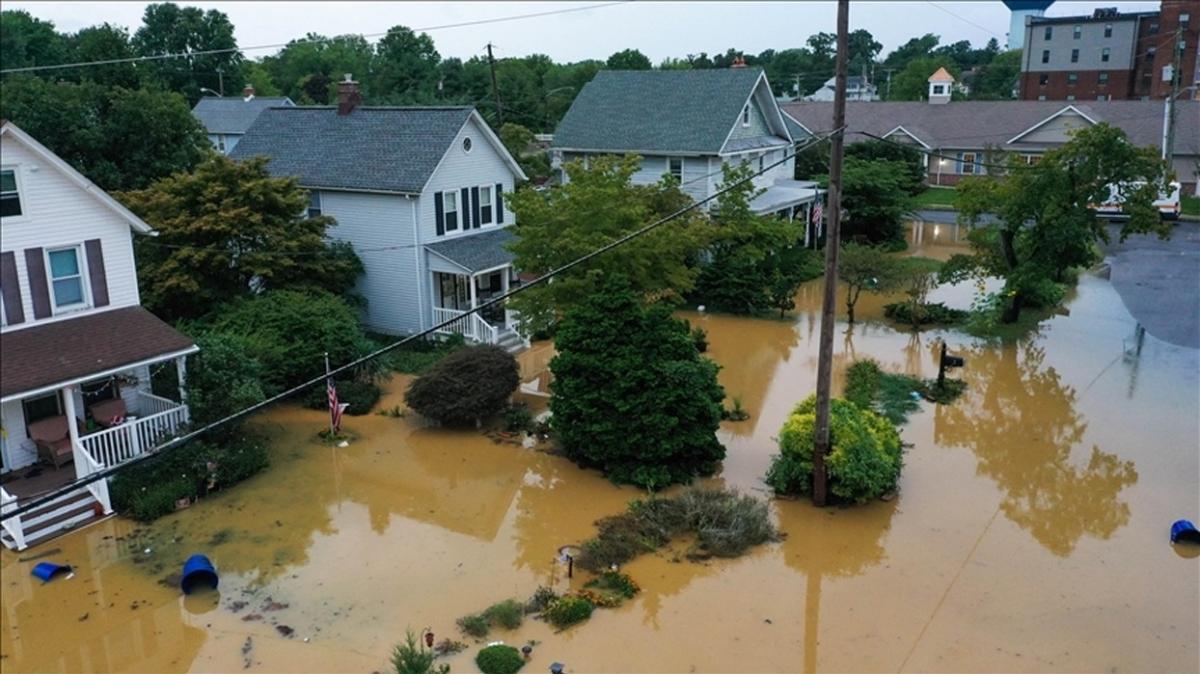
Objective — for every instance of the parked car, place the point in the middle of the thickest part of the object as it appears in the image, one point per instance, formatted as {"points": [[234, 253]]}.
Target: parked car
{"points": [[1168, 202]]}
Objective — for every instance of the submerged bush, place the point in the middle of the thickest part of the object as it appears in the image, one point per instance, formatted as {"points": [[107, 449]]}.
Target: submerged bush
{"points": [[466, 386], [475, 625], [507, 614], [568, 610], [412, 657], [934, 313], [616, 583], [518, 417], [499, 659], [865, 457]]}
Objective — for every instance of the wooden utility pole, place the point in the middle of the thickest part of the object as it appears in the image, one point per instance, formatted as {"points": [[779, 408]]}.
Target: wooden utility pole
{"points": [[832, 244], [1176, 53], [495, 90]]}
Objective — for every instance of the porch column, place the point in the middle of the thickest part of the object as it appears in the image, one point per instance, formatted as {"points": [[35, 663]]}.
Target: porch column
{"points": [[68, 396], [473, 321], [471, 280], [504, 285], [181, 377]]}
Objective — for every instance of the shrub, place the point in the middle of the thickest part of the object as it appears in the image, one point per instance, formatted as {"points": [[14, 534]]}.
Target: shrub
{"points": [[287, 332], [699, 337], [934, 313], [737, 412], [418, 356], [149, 490], [360, 395], [540, 600], [223, 377], [726, 523], [518, 417], [411, 657], [568, 610], [616, 583], [475, 625], [507, 614], [465, 386], [632, 396], [885, 393], [499, 659], [864, 461]]}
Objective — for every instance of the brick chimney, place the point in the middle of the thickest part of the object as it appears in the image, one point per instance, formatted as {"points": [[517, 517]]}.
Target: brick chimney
{"points": [[348, 95], [738, 62], [248, 92]]}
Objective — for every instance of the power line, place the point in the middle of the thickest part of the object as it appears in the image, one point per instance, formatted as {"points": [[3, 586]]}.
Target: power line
{"points": [[966, 20], [209, 52], [191, 435]]}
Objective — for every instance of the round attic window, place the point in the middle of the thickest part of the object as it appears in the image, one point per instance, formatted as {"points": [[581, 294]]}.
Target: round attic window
{"points": [[466, 144]]}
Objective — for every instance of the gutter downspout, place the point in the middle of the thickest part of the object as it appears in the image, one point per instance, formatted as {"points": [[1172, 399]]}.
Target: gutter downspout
{"points": [[417, 259]]}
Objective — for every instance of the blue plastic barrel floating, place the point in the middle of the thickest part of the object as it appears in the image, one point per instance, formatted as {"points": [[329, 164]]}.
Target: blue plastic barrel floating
{"points": [[48, 570], [198, 571], [1185, 531]]}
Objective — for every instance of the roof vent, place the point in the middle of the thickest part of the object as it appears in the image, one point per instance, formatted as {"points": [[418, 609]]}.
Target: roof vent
{"points": [[1105, 13], [248, 92]]}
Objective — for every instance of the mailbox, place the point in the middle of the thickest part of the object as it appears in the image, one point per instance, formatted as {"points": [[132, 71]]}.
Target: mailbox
{"points": [[952, 361]]}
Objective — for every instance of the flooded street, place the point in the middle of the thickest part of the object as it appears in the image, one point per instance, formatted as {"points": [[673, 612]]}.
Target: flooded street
{"points": [[1029, 533]]}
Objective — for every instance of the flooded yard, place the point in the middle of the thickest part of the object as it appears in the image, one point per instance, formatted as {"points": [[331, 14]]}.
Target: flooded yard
{"points": [[1029, 533]]}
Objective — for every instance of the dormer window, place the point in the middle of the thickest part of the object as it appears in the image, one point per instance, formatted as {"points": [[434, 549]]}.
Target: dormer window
{"points": [[746, 115], [10, 197]]}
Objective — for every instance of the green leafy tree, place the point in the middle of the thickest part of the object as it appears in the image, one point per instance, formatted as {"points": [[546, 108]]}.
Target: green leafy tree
{"points": [[868, 268], [305, 69], [875, 196], [168, 28], [910, 159], [103, 43], [915, 48], [412, 657], [518, 140], [628, 59], [1046, 225], [911, 83], [223, 377], [26, 41], [632, 396], [998, 78], [917, 277], [227, 230], [863, 48], [257, 76], [119, 138], [405, 68], [595, 207]]}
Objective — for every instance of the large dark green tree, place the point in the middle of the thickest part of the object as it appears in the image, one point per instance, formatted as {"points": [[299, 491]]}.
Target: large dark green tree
{"points": [[228, 230], [119, 138], [168, 28], [406, 67], [26, 41], [105, 42], [628, 59], [315, 55], [632, 396]]}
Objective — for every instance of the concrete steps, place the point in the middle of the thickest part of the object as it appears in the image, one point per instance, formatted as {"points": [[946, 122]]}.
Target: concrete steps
{"points": [[511, 341]]}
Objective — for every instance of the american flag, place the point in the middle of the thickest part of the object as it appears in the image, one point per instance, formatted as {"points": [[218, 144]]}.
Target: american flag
{"points": [[335, 408], [817, 213]]}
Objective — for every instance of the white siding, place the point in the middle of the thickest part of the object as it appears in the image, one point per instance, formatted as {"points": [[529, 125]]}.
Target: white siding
{"points": [[390, 282], [483, 165], [57, 212]]}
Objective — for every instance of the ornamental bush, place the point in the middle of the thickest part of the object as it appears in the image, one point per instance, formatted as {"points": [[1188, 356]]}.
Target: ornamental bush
{"points": [[632, 396], [568, 610], [864, 461], [499, 659], [466, 386]]}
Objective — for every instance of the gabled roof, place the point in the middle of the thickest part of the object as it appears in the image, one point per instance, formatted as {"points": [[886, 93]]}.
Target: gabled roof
{"points": [[476, 252], [13, 131], [233, 114], [941, 75], [980, 124], [686, 111], [373, 149]]}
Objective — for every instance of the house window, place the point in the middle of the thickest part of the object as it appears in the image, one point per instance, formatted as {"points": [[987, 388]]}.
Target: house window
{"points": [[1104, 54], [1072, 79], [314, 204], [1108, 30], [467, 143], [450, 206], [1102, 78], [100, 390], [1045, 56], [939, 90], [485, 204], [745, 115], [675, 167], [1103, 97], [1184, 19], [762, 162], [1070, 97], [1043, 79], [1077, 32], [1042, 97], [1049, 33], [1153, 30], [41, 407], [66, 277], [968, 162], [221, 144], [1031, 159], [1074, 56], [10, 197]]}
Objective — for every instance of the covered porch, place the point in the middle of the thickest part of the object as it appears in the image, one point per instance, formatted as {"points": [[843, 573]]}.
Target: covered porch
{"points": [[77, 399], [792, 200], [467, 272]]}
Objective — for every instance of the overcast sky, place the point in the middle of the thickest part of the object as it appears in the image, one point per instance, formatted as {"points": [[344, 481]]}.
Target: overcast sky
{"points": [[658, 29]]}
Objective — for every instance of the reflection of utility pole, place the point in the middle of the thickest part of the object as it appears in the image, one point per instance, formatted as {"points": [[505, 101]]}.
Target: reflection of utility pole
{"points": [[832, 241], [495, 91], [812, 613], [1177, 51]]}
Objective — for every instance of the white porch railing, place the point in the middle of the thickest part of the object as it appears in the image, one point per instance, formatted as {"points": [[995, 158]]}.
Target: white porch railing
{"points": [[13, 524], [472, 327], [86, 464], [120, 443]]}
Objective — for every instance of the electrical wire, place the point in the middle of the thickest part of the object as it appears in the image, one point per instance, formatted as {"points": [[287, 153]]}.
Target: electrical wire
{"points": [[280, 45], [173, 443], [985, 29]]}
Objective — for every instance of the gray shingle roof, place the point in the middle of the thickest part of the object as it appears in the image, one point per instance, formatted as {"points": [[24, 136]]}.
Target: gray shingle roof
{"points": [[477, 251], [656, 110], [233, 114], [385, 149], [977, 124]]}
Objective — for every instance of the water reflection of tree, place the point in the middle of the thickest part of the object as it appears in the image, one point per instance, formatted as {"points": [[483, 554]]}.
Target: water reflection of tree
{"points": [[1019, 419]]}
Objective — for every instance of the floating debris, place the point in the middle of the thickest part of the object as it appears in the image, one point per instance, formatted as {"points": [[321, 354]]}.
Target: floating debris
{"points": [[285, 630]]}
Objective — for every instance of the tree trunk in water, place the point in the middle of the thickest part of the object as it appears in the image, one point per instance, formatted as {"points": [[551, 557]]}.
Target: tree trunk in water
{"points": [[1013, 311], [1007, 238]]}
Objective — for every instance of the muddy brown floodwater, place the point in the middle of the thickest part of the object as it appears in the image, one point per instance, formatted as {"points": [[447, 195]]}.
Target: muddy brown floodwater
{"points": [[1029, 533]]}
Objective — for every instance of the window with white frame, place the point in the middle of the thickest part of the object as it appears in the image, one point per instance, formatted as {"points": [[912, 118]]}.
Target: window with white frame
{"points": [[762, 161], [745, 115], [1102, 78], [675, 168], [1049, 33], [1108, 30], [1045, 56], [1105, 54], [314, 204], [1077, 32], [939, 89], [66, 277], [968, 162], [10, 196], [485, 205], [450, 209]]}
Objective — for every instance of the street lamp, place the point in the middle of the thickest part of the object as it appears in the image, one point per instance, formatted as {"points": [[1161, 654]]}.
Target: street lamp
{"points": [[204, 89]]}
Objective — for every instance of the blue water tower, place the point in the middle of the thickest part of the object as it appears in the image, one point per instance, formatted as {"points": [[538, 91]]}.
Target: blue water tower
{"points": [[1021, 9]]}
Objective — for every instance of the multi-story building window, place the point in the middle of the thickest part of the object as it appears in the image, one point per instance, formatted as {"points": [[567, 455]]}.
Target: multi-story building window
{"points": [[1074, 56], [1076, 32], [1072, 79], [1049, 33], [1045, 56], [1105, 54], [1108, 30], [1043, 79], [1102, 78]]}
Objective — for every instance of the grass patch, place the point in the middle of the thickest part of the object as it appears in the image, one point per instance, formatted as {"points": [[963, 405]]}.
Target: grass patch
{"points": [[724, 522], [936, 196], [1190, 205], [890, 394]]}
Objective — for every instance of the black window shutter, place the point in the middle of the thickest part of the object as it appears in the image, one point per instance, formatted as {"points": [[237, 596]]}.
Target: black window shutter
{"points": [[96, 273], [499, 204], [39, 291], [475, 205], [464, 207], [439, 213], [10, 286]]}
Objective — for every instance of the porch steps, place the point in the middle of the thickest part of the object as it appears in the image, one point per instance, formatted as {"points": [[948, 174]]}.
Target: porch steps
{"points": [[510, 341], [58, 516]]}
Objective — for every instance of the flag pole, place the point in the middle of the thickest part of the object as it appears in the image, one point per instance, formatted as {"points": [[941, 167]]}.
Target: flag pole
{"points": [[332, 430]]}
